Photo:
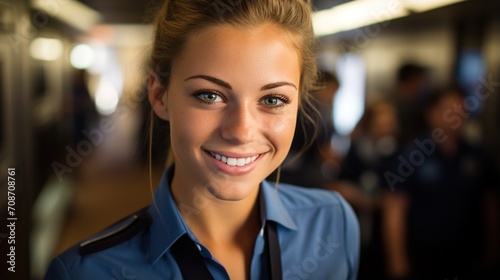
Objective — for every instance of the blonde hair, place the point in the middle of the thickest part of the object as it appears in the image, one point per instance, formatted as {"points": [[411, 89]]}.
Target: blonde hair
{"points": [[179, 20]]}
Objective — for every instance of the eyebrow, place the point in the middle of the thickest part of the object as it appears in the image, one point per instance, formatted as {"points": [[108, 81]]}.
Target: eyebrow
{"points": [[278, 84], [228, 86], [211, 79]]}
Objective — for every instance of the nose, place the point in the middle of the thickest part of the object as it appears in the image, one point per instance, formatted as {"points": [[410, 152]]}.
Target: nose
{"points": [[239, 125]]}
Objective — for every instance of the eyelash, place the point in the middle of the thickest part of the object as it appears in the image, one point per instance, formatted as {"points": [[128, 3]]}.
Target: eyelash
{"points": [[198, 96]]}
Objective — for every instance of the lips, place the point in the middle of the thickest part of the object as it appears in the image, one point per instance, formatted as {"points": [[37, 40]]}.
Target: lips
{"points": [[232, 161]]}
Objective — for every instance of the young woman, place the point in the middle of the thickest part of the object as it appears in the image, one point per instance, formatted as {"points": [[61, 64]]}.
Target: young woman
{"points": [[229, 77]]}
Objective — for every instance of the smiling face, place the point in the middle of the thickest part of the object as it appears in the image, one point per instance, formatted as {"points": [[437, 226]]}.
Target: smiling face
{"points": [[232, 104]]}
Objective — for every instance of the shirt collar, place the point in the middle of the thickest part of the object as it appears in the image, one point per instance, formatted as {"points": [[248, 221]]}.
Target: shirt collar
{"points": [[168, 224], [273, 209]]}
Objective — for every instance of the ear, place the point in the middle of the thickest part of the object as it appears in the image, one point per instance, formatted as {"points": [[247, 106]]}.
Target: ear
{"points": [[157, 97]]}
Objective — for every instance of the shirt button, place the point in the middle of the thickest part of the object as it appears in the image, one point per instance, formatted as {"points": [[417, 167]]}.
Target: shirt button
{"points": [[198, 246]]}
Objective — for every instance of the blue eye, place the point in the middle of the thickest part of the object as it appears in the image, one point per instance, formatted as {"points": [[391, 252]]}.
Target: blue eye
{"points": [[275, 100], [208, 96], [272, 101]]}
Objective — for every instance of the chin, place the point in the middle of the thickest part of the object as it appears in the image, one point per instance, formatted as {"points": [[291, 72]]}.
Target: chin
{"points": [[233, 191]]}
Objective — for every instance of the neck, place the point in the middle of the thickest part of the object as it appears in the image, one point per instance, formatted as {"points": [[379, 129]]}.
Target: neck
{"points": [[213, 220]]}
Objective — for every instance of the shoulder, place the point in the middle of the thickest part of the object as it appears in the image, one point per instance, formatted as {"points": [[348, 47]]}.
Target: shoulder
{"points": [[119, 241], [295, 197], [327, 205], [318, 204], [118, 233], [323, 218]]}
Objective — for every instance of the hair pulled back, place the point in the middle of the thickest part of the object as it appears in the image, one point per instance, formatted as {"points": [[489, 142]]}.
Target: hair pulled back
{"points": [[179, 19]]}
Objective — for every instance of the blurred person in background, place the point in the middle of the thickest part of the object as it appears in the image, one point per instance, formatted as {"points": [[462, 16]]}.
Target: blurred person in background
{"points": [[411, 89], [83, 107], [440, 212], [314, 164], [374, 143], [230, 84]]}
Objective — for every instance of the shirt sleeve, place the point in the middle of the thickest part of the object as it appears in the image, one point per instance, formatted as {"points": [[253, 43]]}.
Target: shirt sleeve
{"points": [[57, 271]]}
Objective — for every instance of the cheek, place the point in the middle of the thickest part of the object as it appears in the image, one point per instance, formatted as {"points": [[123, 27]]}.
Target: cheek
{"points": [[282, 129], [184, 127], [188, 127]]}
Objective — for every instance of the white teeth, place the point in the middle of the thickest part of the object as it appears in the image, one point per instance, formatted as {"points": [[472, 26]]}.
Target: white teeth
{"points": [[234, 161], [231, 161], [240, 162]]}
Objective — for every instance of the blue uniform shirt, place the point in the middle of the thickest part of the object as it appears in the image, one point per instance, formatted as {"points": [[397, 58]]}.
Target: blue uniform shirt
{"points": [[317, 231]]}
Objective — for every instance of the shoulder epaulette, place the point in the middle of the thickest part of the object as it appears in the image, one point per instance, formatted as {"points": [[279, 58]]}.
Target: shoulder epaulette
{"points": [[125, 229]]}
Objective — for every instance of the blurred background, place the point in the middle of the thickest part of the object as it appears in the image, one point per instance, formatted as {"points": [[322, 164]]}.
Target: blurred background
{"points": [[74, 119]]}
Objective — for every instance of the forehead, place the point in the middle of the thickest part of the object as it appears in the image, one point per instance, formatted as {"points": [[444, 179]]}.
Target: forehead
{"points": [[263, 31], [230, 50]]}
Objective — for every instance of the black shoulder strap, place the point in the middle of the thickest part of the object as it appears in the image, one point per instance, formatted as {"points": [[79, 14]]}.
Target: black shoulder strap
{"points": [[190, 261], [193, 266], [274, 251], [123, 231]]}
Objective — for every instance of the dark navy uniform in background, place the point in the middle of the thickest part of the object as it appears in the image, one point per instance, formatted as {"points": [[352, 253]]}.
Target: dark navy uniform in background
{"points": [[317, 231], [444, 221]]}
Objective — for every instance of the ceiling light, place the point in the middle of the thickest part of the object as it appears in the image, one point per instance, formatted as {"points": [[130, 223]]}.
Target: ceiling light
{"points": [[107, 98], [46, 49], [82, 56], [71, 12], [359, 13], [419, 6], [356, 14]]}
